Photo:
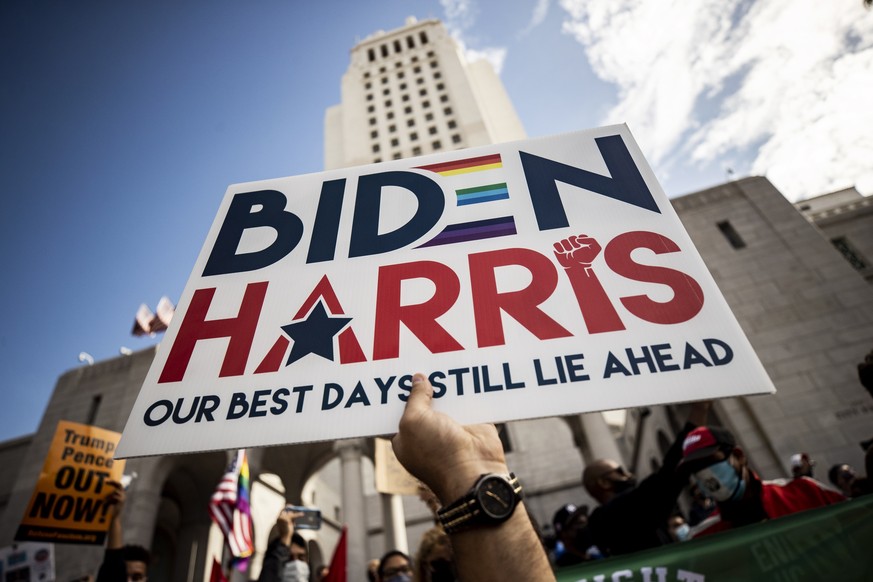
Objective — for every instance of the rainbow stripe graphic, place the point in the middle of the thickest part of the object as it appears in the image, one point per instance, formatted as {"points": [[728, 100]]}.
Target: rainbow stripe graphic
{"points": [[481, 194], [476, 230], [477, 164]]}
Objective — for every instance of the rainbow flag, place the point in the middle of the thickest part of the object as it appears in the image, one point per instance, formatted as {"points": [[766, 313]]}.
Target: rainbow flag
{"points": [[230, 508], [465, 166]]}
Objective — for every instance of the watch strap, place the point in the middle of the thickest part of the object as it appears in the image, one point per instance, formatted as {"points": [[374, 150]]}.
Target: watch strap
{"points": [[465, 512]]}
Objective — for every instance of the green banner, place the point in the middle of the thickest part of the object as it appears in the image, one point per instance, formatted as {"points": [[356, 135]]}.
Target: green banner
{"points": [[832, 543]]}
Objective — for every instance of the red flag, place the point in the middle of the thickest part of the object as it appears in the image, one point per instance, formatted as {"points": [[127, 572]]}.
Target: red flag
{"points": [[339, 561], [217, 575]]}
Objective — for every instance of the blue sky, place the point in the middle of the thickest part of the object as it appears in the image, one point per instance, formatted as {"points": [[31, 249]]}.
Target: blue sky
{"points": [[122, 124]]}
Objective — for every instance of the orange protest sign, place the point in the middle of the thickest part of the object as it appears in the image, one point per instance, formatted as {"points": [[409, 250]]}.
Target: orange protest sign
{"points": [[68, 502]]}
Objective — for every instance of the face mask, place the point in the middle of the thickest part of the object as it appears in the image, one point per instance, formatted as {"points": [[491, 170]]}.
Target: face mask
{"points": [[682, 532], [622, 486], [401, 577], [721, 482], [296, 571]]}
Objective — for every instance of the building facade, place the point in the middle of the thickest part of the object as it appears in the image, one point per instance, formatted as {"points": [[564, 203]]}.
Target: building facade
{"points": [[807, 311]]}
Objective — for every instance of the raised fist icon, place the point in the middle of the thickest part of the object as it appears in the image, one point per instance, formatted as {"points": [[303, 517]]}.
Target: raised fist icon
{"points": [[577, 251]]}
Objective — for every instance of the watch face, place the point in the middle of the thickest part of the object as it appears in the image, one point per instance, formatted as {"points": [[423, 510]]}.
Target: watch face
{"points": [[496, 497]]}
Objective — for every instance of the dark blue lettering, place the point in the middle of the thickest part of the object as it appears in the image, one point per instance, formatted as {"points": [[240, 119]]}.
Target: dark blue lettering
{"points": [[626, 184], [366, 239], [241, 216]]}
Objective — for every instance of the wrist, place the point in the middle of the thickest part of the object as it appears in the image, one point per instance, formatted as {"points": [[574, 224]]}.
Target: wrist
{"points": [[457, 482]]}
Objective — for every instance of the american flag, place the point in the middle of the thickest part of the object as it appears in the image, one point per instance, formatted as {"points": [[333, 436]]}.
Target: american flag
{"points": [[230, 508]]}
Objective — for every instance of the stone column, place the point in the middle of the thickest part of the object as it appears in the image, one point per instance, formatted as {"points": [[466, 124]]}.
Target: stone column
{"points": [[394, 522], [353, 514], [599, 441]]}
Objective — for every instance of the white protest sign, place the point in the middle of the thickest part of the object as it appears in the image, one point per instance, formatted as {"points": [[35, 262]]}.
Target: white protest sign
{"points": [[538, 278]]}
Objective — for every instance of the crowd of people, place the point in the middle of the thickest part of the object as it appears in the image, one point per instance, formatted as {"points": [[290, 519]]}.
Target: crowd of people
{"points": [[483, 531]]}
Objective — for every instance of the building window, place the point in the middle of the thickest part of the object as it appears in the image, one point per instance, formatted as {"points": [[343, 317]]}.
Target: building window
{"points": [[369, 96], [420, 80], [386, 91], [432, 130], [416, 70], [398, 64], [452, 124], [405, 98], [428, 117], [384, 50], [410, 122], [368, 85], [371, 55], [447, 110], [370, 109], [402, 86], [440, 86], [367, 73], [414, 59], [436, 145], [410, 42], [730, 233], [433, 64], [397, 155], [422, 92], [400, 75], [848, 251], [425, 104], [375, 148], [384, 80], [416, 151], [392, 128], [390, 115], [388, 103], [437, 75], [456, 138], [422, 36], [430, 54], [92, 412], [397, 47], [395, 142], [374, 134], [407, 109], [377, 160], [413, 136], [381, 69], [372, 121], [444, 98]]}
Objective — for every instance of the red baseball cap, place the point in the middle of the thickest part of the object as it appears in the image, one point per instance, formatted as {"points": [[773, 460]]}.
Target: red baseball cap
{"points": [[705, 441]]}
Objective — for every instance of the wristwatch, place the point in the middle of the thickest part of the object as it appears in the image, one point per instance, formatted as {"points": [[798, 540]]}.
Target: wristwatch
{"points": [[491, 501]]}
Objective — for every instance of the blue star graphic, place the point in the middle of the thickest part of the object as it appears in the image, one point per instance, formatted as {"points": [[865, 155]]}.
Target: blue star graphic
{"points": [[314, 335]]}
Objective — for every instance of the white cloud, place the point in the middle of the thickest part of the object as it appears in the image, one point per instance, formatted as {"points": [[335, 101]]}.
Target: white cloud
{"points": [[540, 11], [783, 81], [460, 15]]}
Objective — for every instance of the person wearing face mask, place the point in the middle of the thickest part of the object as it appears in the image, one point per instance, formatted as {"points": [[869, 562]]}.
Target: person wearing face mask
{"points": [[633, 516], [286, 556], [679, 530], [720, 469], [394, 566]]}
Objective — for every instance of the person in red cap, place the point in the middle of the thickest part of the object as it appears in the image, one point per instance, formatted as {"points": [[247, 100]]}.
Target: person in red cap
{"points": [[721, 471]]}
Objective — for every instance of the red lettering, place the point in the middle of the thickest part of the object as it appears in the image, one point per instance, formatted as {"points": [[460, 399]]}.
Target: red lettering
{"points": [[522, 305], [195, 327], [420, 319], [687, 298]]}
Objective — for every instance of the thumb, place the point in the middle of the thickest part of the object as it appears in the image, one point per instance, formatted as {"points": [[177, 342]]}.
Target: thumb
{"points": [[421, 397]]}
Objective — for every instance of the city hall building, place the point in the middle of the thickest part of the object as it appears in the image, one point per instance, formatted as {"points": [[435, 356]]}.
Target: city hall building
{"points": [[798, 280]]}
